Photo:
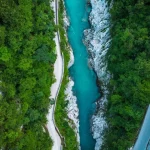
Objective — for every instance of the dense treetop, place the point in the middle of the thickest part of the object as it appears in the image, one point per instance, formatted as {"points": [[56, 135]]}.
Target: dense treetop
{"points": [[129, 63], [27, 55]]}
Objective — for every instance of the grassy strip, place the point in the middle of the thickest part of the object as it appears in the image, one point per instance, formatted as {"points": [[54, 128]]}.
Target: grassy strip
{"points": [[61, 117]]}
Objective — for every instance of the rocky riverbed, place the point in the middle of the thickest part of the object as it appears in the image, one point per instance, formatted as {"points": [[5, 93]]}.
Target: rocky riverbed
{"points": [[97, 40], [72, 108]]}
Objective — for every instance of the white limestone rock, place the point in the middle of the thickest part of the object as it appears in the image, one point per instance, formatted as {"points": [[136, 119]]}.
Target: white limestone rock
{"points": [[97, 40], [71, 61], [72, 108], [65, 18], [66, 21]]}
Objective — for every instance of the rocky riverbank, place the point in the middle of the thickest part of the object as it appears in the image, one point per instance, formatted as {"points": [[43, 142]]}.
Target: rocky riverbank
{"points": [[97, 40], [72, 108]]}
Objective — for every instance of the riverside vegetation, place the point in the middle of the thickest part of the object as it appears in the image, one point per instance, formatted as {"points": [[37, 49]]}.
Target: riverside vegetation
{"points": [[61, 118], [129, 64], [27, 55]]}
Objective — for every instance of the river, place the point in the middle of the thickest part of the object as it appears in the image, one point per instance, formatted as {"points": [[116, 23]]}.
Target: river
{"points": [[85, 88]]}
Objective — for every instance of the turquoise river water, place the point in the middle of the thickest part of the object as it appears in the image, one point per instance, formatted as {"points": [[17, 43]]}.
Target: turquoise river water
{"points": [[85, 87]]}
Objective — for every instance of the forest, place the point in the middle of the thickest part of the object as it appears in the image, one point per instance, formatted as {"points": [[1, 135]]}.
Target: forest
{"points": [[27, 55], [128, 61]]}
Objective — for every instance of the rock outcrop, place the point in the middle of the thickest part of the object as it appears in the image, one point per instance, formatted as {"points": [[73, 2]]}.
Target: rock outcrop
{"points": [[97, 40], [72, 108]]}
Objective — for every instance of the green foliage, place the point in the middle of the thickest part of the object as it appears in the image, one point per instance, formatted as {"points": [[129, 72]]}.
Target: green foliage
{"points": [[128, 62], [43, 54], [27, 56], [5, 55], [2, 35]]}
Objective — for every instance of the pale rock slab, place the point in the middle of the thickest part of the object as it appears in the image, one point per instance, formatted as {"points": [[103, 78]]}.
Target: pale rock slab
{"points": [[97, 40]]}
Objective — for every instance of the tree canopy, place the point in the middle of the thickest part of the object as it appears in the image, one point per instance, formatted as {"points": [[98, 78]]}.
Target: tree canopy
{"points": [[27, 55], [129, 63]]}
